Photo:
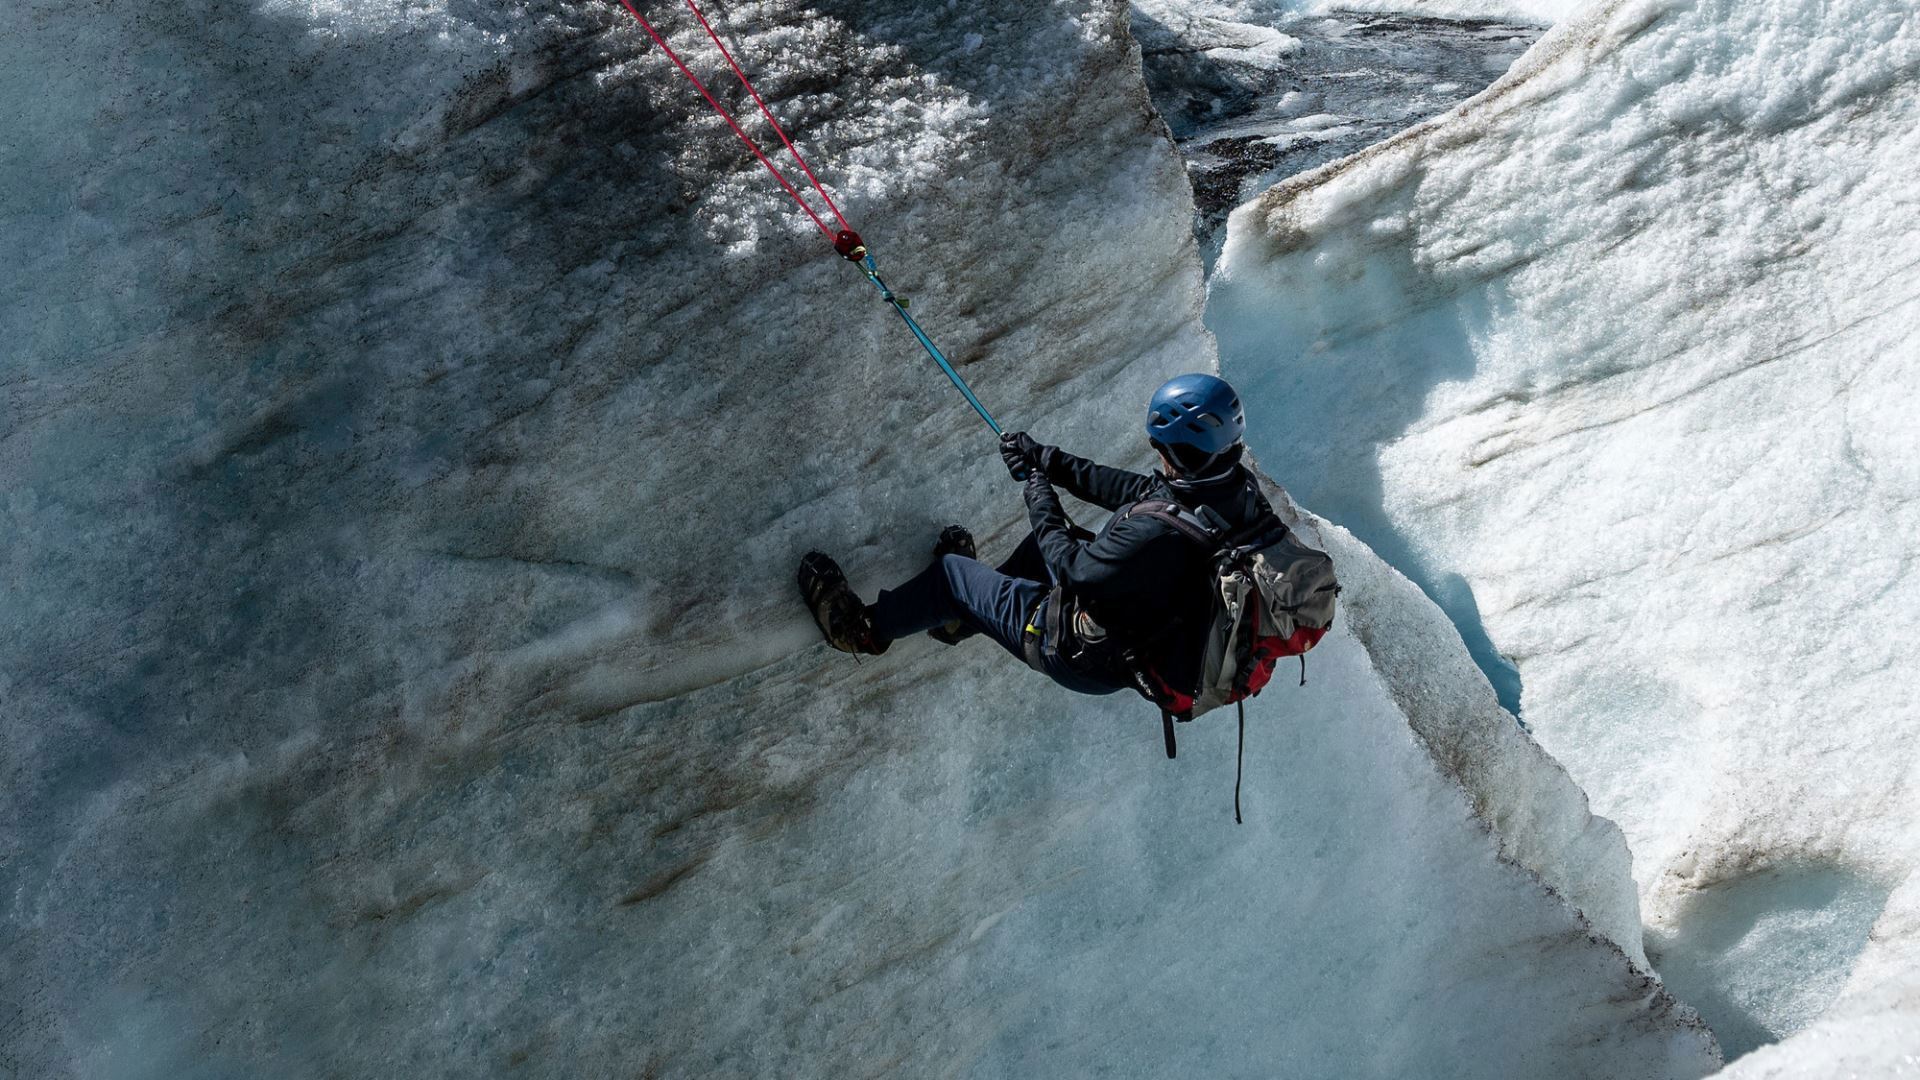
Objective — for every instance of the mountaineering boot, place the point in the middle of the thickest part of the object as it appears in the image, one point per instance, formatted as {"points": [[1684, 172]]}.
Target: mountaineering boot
{"points": [[954, 540], [842, 618]]}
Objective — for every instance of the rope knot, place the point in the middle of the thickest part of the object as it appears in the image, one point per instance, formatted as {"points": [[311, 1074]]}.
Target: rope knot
{"points": [[849, 246]]}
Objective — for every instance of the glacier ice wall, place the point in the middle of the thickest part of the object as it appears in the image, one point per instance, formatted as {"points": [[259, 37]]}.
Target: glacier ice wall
{"points": [[1624, 356], [413, 415]]}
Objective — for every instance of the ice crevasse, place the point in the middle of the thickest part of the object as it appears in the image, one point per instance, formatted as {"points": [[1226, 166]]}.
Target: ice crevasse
{"points": [[413, 414], [1623, 358]]}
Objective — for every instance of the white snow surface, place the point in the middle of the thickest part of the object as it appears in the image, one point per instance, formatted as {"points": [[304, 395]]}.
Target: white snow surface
{"points": [[413, 416], [1192, 13], [1541, 11], [1624, 356]]}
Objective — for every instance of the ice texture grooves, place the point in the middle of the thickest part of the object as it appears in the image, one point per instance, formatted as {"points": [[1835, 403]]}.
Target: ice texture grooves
{"points": [[412, 416], [1623, 356]]}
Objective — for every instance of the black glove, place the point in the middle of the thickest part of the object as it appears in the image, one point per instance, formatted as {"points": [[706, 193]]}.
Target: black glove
{"points": [[1043, 504], [1020, 452]]}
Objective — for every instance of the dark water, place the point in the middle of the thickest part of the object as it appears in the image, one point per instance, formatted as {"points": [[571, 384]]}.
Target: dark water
{"points": [[1244, 122]]}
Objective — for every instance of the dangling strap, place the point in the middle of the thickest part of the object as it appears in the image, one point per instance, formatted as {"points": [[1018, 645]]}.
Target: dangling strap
{"points": [[1166, 728], [1238, 754], [1303, 669]]}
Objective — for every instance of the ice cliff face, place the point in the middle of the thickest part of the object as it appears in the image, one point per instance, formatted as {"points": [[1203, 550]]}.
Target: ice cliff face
{"points": [[413, 415], [1622, 358]]}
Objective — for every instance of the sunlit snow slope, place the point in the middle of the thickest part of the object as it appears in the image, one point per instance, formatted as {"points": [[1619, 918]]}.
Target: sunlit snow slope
{"points": [[1544, 11], [413, 414], [1623, 357]]}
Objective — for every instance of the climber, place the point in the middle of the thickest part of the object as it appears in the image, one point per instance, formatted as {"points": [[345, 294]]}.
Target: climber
{"points": [[1085, 610]]}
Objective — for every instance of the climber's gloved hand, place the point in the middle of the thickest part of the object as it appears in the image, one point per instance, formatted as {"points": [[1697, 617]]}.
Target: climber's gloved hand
{"points": [[1021, 454], [1043, 503]]}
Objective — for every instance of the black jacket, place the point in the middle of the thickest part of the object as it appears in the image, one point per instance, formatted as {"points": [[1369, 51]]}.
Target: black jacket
{"points": [[1147, 583]]}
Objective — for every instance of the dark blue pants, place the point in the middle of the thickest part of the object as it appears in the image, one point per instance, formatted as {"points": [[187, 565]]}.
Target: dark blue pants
{"points": [[996, 602]]}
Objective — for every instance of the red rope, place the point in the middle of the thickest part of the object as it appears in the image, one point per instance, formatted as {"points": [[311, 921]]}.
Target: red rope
{"points": [[728, 117], [768, 113]]}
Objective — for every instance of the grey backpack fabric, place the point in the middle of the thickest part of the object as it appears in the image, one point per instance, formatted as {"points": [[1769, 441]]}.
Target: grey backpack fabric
{"points": [[1273, 597]]}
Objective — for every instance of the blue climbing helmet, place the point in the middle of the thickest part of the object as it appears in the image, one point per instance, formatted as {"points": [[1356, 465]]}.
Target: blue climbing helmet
{"points": [[1195, 418]]}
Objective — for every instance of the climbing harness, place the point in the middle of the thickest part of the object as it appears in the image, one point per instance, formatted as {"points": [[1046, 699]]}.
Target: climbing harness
{"points": [[846, 242]]}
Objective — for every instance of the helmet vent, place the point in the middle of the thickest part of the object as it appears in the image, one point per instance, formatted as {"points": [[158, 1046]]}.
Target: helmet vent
{"points": [[1197, 413]]}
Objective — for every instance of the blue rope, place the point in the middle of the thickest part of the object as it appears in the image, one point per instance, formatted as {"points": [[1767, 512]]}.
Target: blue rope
{"points": [[899, 305]]}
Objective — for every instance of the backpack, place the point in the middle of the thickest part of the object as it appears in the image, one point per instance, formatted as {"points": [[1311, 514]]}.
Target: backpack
{"points": [[1273, 597]]}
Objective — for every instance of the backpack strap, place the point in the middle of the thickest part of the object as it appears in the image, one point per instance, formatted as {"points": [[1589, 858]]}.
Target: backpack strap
{"points": [[1239, 753], [1208, 528], [1145, 684], [1188, 523]]}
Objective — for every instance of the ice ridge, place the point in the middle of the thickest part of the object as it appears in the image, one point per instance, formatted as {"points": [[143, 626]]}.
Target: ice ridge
{"points": [[1627, 345]]}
